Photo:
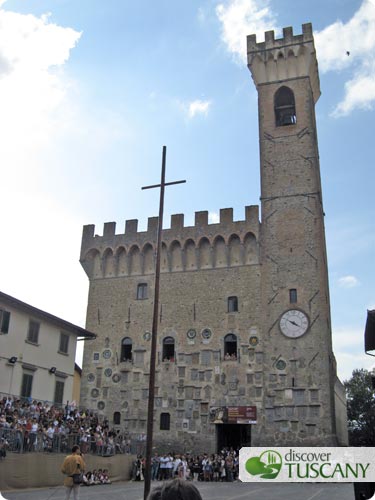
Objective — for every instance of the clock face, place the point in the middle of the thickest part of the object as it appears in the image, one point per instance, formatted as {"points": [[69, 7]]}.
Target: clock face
{"points": [[294, 323]]}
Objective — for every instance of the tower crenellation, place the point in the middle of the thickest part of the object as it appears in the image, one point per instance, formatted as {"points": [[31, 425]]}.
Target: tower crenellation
{"points": [[177, 229], [282, 59]]}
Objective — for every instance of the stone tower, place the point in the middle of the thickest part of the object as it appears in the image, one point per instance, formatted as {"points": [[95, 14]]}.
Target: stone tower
{"points": [[295, 309], [244, 340]]}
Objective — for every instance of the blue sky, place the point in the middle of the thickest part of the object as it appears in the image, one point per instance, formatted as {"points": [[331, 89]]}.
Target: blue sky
{"points": [[90, 91]]}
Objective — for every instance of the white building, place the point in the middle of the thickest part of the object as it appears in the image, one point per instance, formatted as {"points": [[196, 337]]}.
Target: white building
{"points": [[37, 352]]}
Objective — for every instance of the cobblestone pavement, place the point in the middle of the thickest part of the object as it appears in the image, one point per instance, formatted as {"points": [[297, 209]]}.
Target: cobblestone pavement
{"points": [[209, 491]]}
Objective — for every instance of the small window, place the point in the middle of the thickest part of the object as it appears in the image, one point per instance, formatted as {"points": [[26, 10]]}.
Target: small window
{"points": [[27, 383], [165, 421], [142, 291], [33, 332], [285, 108], [230, 347], [4, 321], [232, 304], [293, 295], [126, 349], [168, 349], [64, 343], [59, 392], [117, 418]]}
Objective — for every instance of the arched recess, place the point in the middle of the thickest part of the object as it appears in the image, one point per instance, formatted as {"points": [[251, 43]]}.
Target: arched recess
{"points": [[251, 249], [135, 266], [205, 259], [108, 263], [281, 66], [148, 259], [291, 64], [285, 107], [271, 67], [92, 264], [164, 264], [220, 252], [235, 257], [122, 265], [190, 255], [176, 256]]}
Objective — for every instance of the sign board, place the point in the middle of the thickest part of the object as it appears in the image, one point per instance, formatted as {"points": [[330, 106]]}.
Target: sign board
{"points": [[233, 414]]}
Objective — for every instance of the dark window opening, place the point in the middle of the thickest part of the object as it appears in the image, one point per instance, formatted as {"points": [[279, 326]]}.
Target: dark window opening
{"points": [[293, 295], [285, 108], [64, 343], [59, 392], [126, 349], [165, 421], [142, 291], [230, 347], [4, 321], [27, 383], [33, 332], [232, 304], [168, 349], [117, 418]]}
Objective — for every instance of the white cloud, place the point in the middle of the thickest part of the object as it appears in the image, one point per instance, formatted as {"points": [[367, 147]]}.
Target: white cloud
{"points": [[43, 231], [357, 37], [213, 218], [32, 51], [240, 18], [348, 346], [348, 282], [198, 107]]}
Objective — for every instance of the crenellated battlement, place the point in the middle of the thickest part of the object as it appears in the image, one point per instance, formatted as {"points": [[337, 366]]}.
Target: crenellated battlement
{"points": [[292, 56], [132, 252]]}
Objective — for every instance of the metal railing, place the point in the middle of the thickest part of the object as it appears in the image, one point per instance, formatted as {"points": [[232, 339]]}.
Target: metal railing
{"points": [[21, 441]]}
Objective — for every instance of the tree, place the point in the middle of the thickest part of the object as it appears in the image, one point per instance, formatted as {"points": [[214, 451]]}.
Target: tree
{"points": [[361, 408]]}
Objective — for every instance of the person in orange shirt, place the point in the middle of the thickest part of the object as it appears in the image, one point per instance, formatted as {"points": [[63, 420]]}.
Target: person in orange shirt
{"points": [[73, 464]]}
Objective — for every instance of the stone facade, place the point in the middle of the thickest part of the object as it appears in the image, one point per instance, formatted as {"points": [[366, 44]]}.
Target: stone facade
{"points": [[244, 316]]}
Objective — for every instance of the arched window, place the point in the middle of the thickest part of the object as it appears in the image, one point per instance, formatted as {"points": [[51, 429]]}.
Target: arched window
{"points": [[232, 304], [285, 108], [126, 349], [168, 349], [165, 421], [230, 347], [117, 418]]}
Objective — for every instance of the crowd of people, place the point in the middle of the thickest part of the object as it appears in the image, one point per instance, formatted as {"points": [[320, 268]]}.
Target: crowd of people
{"points": [[38, 426], [95, 477], [222, 466]]}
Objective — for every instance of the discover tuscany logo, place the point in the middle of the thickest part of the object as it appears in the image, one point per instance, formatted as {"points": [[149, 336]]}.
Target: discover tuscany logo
{"points": [[286, 464]]}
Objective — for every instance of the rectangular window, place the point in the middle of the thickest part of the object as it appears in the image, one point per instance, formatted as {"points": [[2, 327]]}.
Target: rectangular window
{"points": [[293, 295], [165, 421], [142, 291], [96, 357], [4, 321], [33, 332], [232, 304], [27, 383], [64, 343], [59, 392]]}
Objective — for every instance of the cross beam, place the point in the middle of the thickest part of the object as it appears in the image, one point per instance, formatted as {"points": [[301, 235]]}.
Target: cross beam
{"points": [[151, 390]]}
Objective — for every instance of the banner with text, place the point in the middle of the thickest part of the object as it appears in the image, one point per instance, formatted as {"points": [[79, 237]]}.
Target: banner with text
{"points": [[330, 465]]}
